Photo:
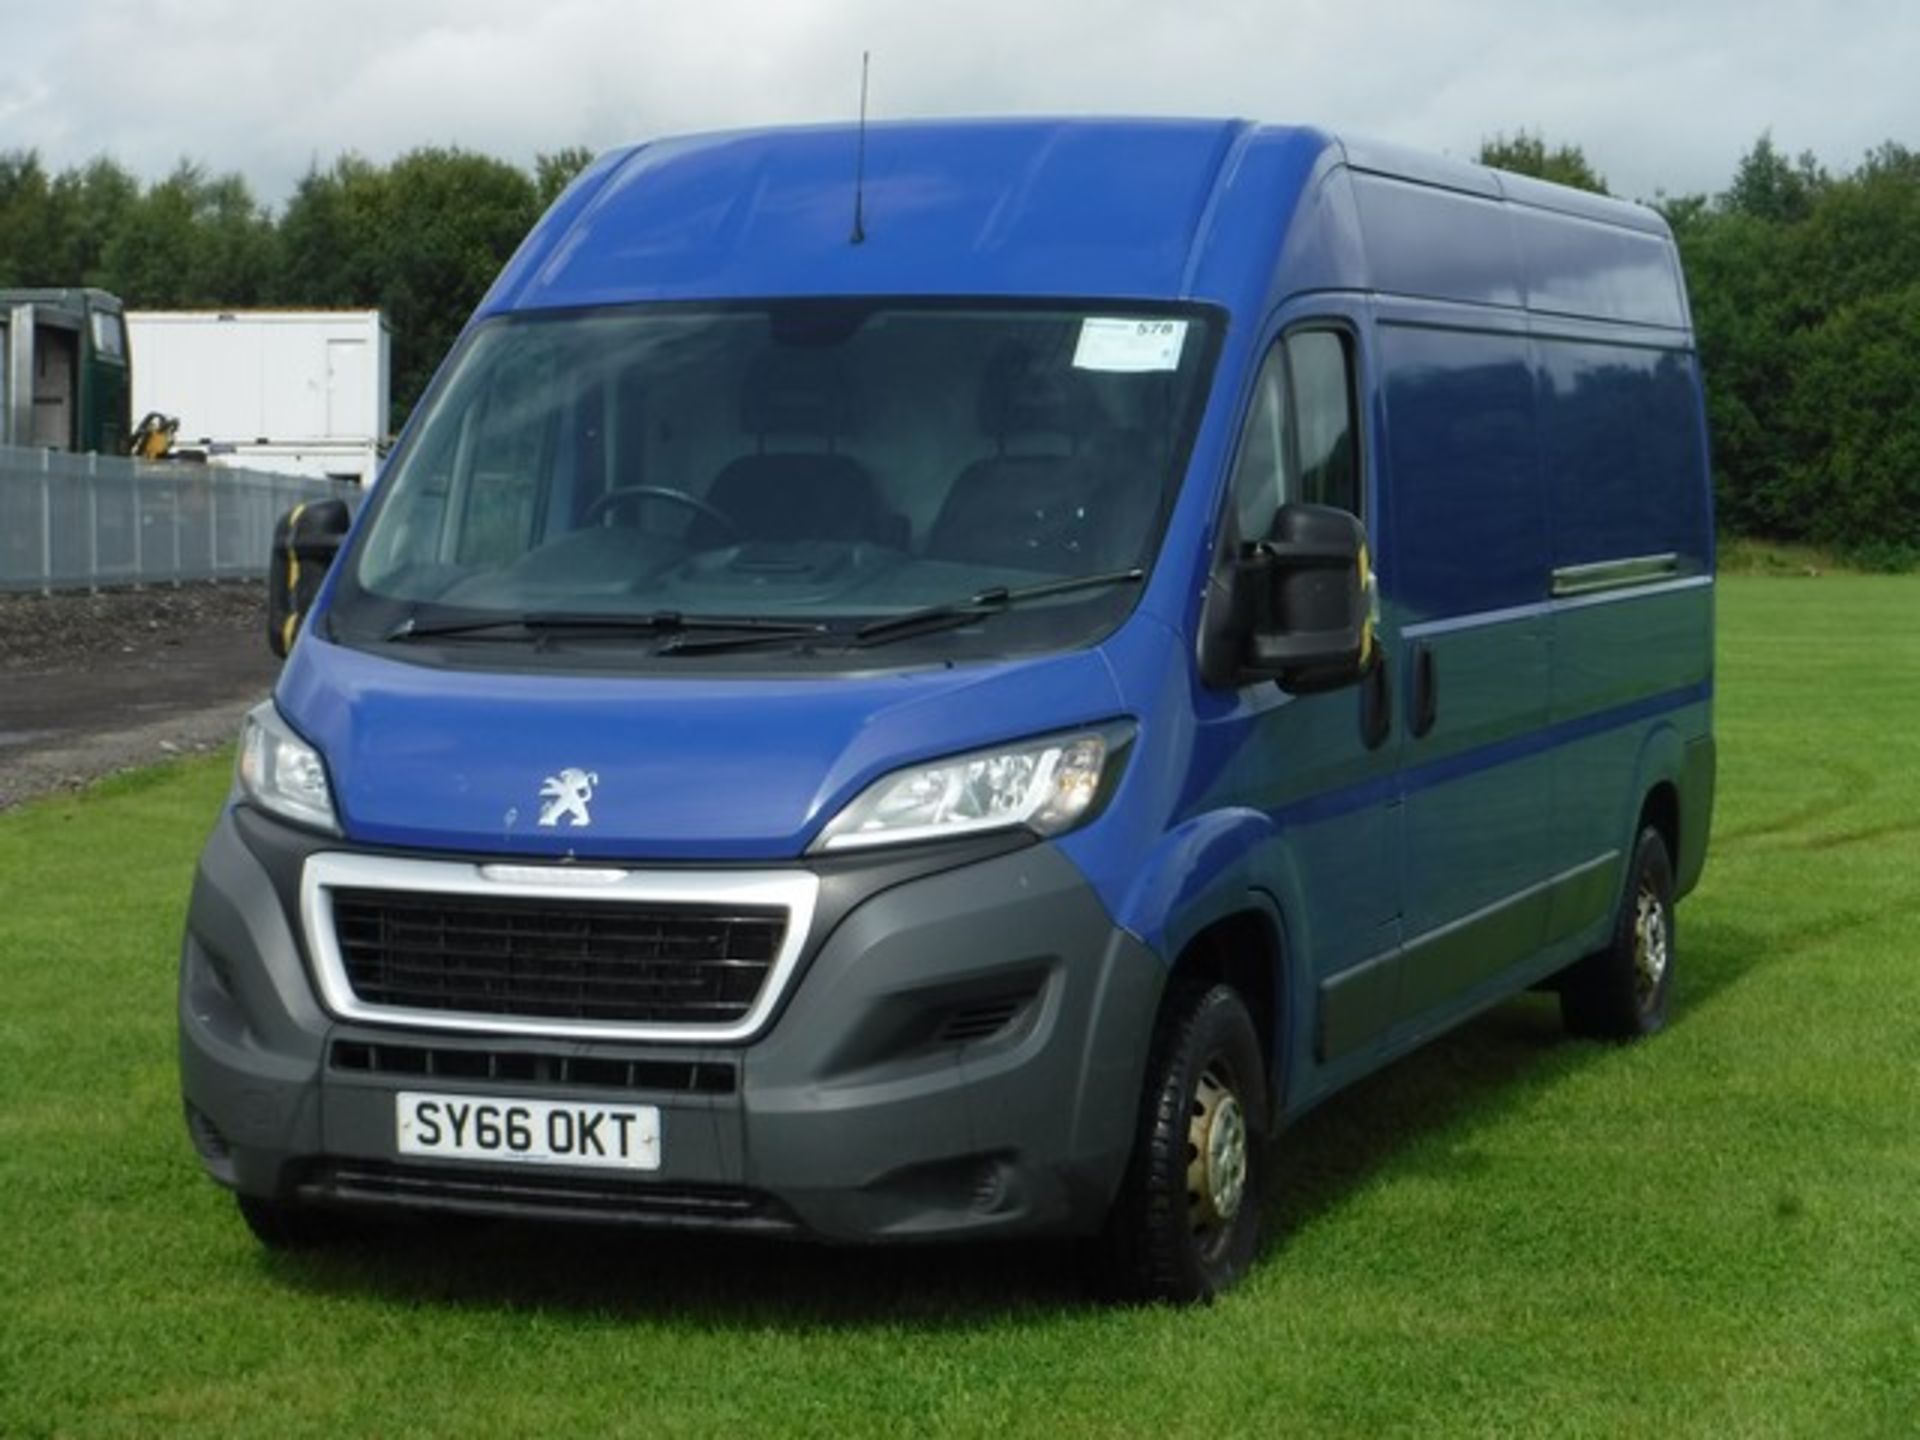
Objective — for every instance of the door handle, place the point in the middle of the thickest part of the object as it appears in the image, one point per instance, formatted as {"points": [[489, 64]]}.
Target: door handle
{"points": [[1423, 704]]}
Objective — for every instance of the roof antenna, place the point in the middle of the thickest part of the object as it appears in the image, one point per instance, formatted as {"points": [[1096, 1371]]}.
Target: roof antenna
{"points": [[860, 161]]}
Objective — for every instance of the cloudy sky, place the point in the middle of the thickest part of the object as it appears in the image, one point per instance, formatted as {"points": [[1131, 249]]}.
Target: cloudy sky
{"points": [[1662, 94]]}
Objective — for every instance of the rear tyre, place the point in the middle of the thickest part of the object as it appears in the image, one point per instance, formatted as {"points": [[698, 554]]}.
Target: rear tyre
{"points": [[1621, 992], [288, 1225], [1186, 1222]]}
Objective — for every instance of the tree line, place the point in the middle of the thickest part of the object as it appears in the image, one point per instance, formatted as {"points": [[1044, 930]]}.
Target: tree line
{"points": [[1805, 286]]}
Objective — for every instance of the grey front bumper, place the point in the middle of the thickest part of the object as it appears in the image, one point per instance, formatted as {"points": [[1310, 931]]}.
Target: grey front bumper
{"points": [[960, 1053]]}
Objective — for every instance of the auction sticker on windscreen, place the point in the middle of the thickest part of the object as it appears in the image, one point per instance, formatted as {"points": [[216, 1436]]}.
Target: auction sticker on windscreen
{"points": [[1129, 347]]}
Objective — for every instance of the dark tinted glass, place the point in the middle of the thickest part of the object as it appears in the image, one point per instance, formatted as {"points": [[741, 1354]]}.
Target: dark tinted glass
{"points": [[811, 461]]}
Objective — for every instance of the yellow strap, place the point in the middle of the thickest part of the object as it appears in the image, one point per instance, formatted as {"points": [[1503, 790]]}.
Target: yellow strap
{"points": [[1366, 589], [291, 625]]}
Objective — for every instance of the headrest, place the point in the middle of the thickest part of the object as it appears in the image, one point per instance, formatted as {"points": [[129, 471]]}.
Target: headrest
{"points": [[795, 392], [1021, 394]]}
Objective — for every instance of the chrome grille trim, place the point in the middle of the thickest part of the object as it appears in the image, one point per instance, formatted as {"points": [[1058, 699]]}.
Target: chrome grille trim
{"points": [[795, 891]]}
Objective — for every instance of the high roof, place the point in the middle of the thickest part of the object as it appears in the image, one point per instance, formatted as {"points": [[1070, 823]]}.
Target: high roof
{"points": [[1116, 208], [1221, 211]]}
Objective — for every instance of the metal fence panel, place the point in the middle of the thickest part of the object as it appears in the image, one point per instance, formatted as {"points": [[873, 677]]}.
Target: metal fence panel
{"points": [[80, 522]]}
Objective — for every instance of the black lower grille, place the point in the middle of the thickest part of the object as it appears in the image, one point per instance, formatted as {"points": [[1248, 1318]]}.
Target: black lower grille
{"points": [[548, 1197], [982, 1020], [557, 959], [589, 1072]]}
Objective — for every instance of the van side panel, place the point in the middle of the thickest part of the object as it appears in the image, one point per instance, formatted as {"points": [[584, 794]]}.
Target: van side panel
{"points": [[1465, 574], [1626, 475], [1622, 456], [1546, 557], [1470, 520]]}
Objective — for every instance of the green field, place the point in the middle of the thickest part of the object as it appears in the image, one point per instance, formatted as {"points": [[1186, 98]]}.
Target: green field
{"points": [[1717, 1233]]}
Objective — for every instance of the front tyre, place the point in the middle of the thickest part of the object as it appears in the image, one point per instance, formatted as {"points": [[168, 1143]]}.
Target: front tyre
{"points": [[1186, 1222], [1621, 992]]}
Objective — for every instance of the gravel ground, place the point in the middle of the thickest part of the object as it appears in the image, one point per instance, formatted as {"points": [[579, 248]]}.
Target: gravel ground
{"points": [[93, 684]]}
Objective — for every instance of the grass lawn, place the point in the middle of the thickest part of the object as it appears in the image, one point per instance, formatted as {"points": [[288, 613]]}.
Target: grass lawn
{"points": [[1717, 1233]]}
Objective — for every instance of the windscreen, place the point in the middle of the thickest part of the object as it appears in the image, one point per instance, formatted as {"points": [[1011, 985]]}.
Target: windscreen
{"points": [[822, 464]]}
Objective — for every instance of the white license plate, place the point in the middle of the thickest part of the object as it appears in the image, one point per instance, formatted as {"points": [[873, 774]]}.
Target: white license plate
{"points": [[528, 1132]]}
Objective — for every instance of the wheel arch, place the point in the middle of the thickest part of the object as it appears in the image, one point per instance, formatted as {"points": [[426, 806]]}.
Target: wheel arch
{"points": [[1655, 796], [1661, 810], [1246, 950], [1224, 884]]}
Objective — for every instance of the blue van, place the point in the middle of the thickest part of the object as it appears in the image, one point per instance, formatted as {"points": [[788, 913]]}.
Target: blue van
{"points": [[966, 723]]}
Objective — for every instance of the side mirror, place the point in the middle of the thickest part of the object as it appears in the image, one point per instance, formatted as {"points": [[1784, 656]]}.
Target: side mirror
{"points": [[1303, 602], [304, 543]]}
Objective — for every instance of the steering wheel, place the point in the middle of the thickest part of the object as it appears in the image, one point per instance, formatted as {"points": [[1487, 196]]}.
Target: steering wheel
{"points": [[626, 494]]}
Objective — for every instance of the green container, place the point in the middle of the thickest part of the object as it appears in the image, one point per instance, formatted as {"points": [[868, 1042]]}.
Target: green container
{"points": [[64, 377]]}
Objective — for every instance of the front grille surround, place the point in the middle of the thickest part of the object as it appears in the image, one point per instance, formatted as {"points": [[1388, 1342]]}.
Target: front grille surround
{"points": [[564, 958], [327, 875]]}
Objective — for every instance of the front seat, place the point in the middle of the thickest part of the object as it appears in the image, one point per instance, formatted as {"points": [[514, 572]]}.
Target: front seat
{"points": [[795, 494], [1030, 504]]}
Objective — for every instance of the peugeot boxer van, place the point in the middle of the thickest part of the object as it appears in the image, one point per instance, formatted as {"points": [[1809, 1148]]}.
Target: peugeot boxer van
{"points": [[966, 723]]}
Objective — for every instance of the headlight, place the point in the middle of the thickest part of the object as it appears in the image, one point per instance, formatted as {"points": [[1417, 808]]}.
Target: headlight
{"points": [[1048, 785], [281, 772]]}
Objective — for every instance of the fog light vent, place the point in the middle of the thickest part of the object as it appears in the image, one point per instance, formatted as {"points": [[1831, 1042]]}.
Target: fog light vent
{"points": [[990, 1188], [206, 1136], [982, 1018]]}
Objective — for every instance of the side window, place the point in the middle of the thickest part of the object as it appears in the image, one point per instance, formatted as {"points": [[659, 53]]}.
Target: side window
{"points": [[1329, 458], [1301, 439], [1260, 476], [109, 338]]}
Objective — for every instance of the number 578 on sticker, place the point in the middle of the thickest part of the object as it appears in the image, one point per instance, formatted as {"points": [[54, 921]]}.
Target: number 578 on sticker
{"points": [[1129, 345]]}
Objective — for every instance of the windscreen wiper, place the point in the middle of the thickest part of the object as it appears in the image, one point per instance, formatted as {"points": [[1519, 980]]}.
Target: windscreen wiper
{"points": [[951, 614], [552, 622], [763, 634]]}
